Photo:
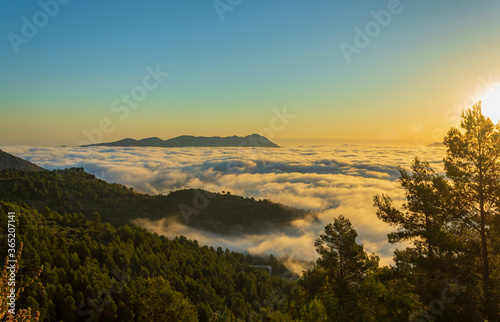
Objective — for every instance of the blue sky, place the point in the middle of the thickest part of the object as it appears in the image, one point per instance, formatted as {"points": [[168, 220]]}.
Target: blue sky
{"points": [[226, 77]]}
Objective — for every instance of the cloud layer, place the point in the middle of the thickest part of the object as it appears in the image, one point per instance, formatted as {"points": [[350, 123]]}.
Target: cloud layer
{"points": [[330, 180]]}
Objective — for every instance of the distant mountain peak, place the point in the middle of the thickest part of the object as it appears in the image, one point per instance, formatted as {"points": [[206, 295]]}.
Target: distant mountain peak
{"points": [[253, 140], [436, 145]]}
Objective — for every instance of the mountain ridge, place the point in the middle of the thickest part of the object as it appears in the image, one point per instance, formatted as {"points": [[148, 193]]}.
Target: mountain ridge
{"points": [[253, 140], [75, 191], [9, 161], [436, 145]]}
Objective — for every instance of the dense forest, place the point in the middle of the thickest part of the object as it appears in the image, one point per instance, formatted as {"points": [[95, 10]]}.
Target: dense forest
{"points": [[91, 268], [75, 191], [81, 260]]}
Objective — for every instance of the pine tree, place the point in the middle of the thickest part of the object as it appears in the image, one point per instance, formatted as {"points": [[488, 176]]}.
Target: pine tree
{"points": [[473, 165], [340, 255]]}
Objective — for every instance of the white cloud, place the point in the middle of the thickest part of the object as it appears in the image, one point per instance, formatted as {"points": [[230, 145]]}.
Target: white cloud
{"points": [[331, 180]]}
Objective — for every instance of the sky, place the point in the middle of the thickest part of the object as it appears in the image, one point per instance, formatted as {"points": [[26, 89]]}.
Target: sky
{"points": [[381, 72], [328, 180]]}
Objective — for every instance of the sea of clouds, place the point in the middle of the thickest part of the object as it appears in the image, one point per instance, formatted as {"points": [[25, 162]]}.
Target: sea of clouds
{"points": [[330, 180]]}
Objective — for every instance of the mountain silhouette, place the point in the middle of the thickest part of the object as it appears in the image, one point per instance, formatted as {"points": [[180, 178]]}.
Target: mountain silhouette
{"points": [[254, 140], [436, 145]]}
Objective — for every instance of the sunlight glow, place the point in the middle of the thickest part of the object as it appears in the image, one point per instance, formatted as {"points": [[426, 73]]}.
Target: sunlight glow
{"points": [[491, 104]]}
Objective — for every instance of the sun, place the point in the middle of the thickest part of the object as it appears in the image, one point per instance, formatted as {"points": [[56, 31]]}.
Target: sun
{"points": [[491, 104]]}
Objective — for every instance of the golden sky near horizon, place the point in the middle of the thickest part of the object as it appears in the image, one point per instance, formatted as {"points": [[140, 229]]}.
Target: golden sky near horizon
{"points": [[102, 79]]}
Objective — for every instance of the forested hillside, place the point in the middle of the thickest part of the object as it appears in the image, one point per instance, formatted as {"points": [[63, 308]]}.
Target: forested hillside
{"points": [[92, 269], [74, 190]]}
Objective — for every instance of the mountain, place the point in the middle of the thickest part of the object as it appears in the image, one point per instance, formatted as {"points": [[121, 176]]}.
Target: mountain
{"points": [[9, 161], [75, 191], [254, 140], [436, 145]]}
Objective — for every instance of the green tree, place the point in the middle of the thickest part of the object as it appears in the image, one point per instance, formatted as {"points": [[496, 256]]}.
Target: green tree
{"points": [[425, 221], [314, 311], [472, 163], [69, 309], [451, 220], [340, 270], [340, 255], [422, 218], [161, 303]]}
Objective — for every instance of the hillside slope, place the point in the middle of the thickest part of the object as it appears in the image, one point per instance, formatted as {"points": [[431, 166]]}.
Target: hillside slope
{"points": [[75, 191], [9, 161], [93, 271]]}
